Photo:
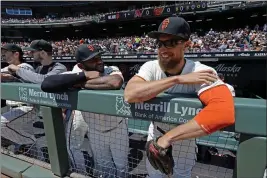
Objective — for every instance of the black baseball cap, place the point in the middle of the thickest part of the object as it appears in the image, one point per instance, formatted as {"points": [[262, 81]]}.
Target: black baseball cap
{"points": [[12, 47], [86, 52], [176, 26], [39, 45]]}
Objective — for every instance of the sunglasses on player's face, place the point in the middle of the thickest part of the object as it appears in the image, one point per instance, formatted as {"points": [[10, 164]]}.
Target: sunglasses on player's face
{"points": [[168, 43]]}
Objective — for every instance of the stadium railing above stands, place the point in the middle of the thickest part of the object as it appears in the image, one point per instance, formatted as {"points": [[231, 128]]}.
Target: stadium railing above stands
{"points": [[143, 57], [251, 150]]}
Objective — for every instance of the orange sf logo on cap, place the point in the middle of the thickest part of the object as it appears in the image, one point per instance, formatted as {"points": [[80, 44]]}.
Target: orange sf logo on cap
{"points": [[165, 24], [90, 47]]}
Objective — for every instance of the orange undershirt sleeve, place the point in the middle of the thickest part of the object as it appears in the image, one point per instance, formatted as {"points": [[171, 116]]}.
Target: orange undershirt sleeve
{"points": [[219, 111]]}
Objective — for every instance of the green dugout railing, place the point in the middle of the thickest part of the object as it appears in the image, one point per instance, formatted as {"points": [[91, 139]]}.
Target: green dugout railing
{"points": [[173, 109]]}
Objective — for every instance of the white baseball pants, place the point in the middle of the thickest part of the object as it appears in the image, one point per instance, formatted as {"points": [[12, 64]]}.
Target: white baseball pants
{"points": [[110, 151], [76, 129]]}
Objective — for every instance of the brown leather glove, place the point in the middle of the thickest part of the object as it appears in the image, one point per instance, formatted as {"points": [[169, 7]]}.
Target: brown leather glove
{"points": [[161, 159]]}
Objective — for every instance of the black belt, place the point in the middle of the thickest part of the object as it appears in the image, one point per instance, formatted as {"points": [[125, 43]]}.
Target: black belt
{"points": [[112, 128], [161, 130]]}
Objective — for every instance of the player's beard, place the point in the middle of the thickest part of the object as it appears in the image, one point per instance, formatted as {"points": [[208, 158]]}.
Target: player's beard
{"points": [[168, 64], [99, 68], [37, 58]]}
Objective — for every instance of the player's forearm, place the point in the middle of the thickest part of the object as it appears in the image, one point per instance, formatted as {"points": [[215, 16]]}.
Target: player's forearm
{"points": [[217, 114], [58, 83], [143, 91], [99, 87], [182, 132], [7, 77], [107, 82]]}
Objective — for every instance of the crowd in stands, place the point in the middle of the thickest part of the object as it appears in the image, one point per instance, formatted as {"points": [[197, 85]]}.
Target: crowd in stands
{"points": [[49, 19], [213, 41]]}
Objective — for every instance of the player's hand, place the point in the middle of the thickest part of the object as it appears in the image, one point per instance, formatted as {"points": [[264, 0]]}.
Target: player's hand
{"points": [[91, 74], [13, 68], [5, 76], [200, 77]]}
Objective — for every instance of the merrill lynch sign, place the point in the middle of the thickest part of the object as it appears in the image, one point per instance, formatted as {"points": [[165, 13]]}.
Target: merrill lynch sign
{"points": [[39, 97], [171, 112]]}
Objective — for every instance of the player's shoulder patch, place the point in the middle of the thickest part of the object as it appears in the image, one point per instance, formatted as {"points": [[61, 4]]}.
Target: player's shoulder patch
{"points": [[111, 69]]}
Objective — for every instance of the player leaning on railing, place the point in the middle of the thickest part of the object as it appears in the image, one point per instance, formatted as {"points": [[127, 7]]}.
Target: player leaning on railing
{"points": [[110, 154], [31, 129], [10, 127], [174, 152]]}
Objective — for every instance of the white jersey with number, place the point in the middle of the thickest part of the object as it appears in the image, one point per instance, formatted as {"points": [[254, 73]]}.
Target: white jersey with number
{"points": [[102, 122]]}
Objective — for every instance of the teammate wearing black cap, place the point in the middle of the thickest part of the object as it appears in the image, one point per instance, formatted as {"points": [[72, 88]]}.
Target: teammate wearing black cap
{"points": [[12, 54], [110, 155], [42, 52], [170, 145], [10, 121]]}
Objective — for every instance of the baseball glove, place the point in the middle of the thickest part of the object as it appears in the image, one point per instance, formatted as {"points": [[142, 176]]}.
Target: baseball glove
{"points": [[161, 159]]}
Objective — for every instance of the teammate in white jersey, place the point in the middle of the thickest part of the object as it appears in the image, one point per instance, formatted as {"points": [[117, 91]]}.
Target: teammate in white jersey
{"points": [[108, 135], [172, 73]]}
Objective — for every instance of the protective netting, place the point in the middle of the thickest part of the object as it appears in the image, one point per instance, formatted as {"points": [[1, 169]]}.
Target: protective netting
{"points": [[22, 132], [108, 146]]}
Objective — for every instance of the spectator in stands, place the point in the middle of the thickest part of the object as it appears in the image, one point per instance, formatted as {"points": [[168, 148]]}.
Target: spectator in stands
{"points": [[110, 153], [213, 41]]}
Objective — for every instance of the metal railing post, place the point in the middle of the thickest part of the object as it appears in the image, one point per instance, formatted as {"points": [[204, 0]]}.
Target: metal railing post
{"points": [[251, 158], [56, 141]]}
